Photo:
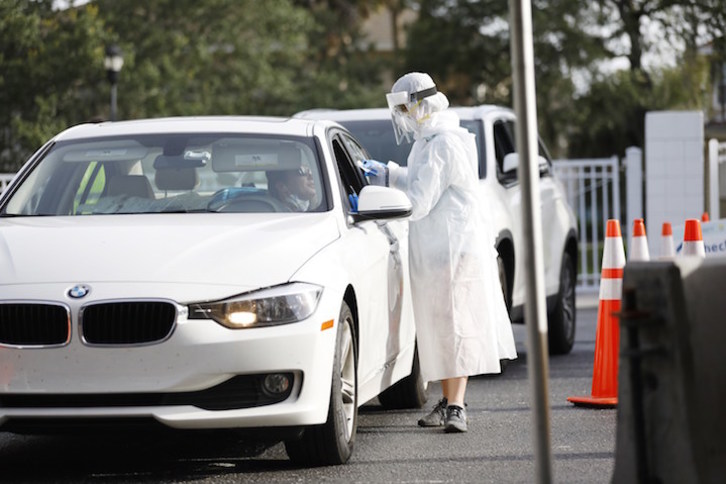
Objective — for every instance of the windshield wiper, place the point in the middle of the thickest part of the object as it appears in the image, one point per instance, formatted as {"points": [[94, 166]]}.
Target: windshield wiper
{"points": [[11, 215]]}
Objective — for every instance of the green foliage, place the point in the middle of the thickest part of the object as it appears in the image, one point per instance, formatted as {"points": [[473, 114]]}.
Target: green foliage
{"points": [[51, 68], [611, 116], [181, 57], [277, 57], [184, 57], [465, 46], [461, 45], [341, 70]]}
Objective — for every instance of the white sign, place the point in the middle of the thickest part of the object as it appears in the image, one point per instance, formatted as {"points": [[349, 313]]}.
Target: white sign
{"points": [[714, 237]]}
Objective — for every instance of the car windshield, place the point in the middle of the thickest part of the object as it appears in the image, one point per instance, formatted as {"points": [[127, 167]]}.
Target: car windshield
{"points": [[378, 138], [164, 173]]}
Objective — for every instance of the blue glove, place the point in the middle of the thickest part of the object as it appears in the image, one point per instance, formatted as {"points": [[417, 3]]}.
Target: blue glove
{"points": [[353, 199], [376, 171]]}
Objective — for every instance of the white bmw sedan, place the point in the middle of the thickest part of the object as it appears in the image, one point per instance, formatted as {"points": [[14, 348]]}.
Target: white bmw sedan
{"points": [[205, 273]]}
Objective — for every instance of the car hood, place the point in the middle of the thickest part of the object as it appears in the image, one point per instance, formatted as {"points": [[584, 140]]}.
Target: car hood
{"points": [[239, 250]]}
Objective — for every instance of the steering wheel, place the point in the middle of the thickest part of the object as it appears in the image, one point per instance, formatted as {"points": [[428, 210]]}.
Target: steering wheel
{"points": [[248, 203]]}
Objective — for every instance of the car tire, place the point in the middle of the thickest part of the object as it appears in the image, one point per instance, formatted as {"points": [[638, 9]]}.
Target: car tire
{"points": [[407, 393], [332, 442], [561, 321], [504, 282]]}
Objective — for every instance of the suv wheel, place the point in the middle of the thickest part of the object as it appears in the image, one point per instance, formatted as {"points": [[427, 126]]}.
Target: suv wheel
{"points": [[504, 282], [561, 321]]}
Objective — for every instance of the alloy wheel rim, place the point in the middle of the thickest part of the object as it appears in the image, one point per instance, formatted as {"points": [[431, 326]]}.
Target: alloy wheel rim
{"points": [[568, 301], [347, 378]]}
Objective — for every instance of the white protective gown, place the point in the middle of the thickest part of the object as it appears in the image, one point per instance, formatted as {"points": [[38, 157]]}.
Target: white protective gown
{"points": [[462, 324]]}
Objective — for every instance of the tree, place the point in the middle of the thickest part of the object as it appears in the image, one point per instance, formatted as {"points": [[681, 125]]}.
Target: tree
{"points": [[641, 89], [184, 57], [610, 116], [43, 88], [465, 46], [181, 57], [238, 56], [343, 72]]}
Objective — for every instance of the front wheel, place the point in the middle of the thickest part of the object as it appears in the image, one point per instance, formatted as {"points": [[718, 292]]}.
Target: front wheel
{"points": [[504, 282], [561, 321], [332, 442]]}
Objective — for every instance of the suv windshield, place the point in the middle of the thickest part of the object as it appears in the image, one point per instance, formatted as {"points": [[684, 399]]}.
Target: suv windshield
{"points": [[172, 173], [378, 138]]}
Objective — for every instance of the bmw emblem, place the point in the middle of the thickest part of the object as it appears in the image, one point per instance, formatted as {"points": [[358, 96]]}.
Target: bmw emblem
{"points": [[79, 291]]}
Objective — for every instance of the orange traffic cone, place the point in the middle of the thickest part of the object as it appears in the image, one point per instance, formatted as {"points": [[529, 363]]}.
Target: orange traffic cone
{"points": [[638, 248], [607, 340], [667, 249], [693, 239], [705, 217]]}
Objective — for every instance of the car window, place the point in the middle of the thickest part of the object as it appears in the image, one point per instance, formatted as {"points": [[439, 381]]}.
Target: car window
{"points": [[505, 143], [378, 139], [477, 129], [357, 152], [173, 173], [347, 152]]}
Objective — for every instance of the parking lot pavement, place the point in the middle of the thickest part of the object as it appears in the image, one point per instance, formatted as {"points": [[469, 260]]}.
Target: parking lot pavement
{"points": [[390, 447]]}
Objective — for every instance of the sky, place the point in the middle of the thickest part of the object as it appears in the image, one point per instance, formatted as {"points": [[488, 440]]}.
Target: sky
{"points": [[63, 4]]}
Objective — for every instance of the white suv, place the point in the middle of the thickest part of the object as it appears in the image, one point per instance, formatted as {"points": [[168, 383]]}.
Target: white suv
{"points": [[498, 160]]}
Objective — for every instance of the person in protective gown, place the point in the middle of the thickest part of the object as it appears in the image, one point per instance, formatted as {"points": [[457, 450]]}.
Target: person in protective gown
{"points": [[462, 324]]}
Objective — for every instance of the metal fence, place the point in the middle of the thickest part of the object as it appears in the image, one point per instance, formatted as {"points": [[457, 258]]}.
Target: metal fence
{"points": [[593, 191]]}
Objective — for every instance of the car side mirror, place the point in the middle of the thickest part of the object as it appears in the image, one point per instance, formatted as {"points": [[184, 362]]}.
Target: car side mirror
{"points": [[511, 162], [375, 203]]}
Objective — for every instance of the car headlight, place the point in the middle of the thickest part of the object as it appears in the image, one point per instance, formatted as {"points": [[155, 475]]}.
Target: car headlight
{"points": [[284, 304]]}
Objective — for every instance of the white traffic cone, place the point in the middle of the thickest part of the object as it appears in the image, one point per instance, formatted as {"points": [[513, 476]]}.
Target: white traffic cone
{"points": [[638, 249], [667, 248], [693, 239]]}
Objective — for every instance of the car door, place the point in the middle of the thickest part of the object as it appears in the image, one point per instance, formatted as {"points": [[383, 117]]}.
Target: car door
{"points": [[386, 323], [504, 130]]}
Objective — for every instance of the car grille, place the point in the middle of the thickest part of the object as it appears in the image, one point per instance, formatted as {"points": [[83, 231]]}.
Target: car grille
{"points": [[127, 323], [242, 391], [34, 324]]}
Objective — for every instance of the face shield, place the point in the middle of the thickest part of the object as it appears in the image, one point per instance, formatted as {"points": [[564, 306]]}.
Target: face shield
{"points": [[408, 111]]}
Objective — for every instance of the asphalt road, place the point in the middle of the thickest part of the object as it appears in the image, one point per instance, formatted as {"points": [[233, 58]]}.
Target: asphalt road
{"points": [[499, 446]]}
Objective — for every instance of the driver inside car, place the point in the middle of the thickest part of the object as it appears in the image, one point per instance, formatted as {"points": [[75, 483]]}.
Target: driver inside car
{"points": [[295, 188]]}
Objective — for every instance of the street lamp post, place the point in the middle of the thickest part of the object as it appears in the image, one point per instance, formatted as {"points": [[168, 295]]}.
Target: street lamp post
{"points": [[113, 62]]}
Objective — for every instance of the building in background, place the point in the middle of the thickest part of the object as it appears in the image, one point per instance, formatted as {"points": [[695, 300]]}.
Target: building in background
{"points": [[385, 29]]}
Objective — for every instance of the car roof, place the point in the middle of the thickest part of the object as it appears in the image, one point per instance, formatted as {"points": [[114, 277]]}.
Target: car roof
{"points": [[196, 124], [369, 114], [366, 114]]}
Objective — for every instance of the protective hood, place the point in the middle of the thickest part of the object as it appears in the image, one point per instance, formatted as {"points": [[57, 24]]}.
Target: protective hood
{"points": [[414, 101]]}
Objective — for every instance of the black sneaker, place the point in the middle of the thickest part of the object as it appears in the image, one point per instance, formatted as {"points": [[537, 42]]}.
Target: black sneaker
{"points": [[455, 419], [436, 417]]}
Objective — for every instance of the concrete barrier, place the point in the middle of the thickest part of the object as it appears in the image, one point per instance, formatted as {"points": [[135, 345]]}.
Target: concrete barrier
{"points": [[671, 425]]}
